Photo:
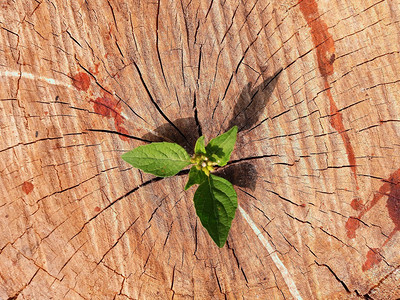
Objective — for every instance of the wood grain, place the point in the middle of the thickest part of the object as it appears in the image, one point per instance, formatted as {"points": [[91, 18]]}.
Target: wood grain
{"points": [[312, 84]]}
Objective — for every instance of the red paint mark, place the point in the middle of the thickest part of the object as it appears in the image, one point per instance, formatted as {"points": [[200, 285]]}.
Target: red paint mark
{"points": [[336, 121], [96, 69], [57, 146], [97, 209], [321, 38], [81, 81], [27, 187], [106, 105], [357, 204], [325, 48], [391, 189], [110, 107], [352, 225], [373, 258]]}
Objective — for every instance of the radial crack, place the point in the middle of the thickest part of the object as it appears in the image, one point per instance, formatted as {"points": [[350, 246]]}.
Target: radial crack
{"points": [[155, 103]]}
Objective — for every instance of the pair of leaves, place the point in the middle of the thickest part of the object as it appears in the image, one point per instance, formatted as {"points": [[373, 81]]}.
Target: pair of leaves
{"points": [[215, 199]]}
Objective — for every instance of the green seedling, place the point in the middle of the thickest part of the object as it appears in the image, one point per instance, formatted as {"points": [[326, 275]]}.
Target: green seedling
{"points": [[215, 199]]}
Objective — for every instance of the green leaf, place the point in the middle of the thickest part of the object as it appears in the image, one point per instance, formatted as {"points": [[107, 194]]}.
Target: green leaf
{"points": [[160, 159], [195, 177], [216, 201], [219, 149], [200, 146]]}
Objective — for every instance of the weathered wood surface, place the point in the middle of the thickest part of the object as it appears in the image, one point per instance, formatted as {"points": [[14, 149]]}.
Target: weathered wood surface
{"points": [[314, 86]]}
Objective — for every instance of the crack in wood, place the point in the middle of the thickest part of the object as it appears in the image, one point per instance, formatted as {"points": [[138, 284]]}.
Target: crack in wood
{"points": [[334, 275], [155, 103]]}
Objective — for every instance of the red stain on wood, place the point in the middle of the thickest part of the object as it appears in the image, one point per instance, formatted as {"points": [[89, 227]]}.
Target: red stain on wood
{"points": [[106, 105], [325, 48], [373, 258], [321, 38], [393, 201], [81, 81], [357, 204], [110, 107], [97, 209], [27, 187], [351, 226], [336, 121], [391, 189], [96, 69]]}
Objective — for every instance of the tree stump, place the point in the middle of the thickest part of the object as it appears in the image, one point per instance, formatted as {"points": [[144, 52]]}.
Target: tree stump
{"points": [[312, 85]]}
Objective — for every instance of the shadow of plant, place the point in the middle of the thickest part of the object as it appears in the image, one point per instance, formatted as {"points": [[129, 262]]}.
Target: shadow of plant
{"points": [[167, 133], [241, 174], [218, 151], [252, 101]]}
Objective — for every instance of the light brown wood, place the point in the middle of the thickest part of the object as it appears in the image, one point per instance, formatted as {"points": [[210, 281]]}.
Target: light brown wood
{"points": [[314, 85]]}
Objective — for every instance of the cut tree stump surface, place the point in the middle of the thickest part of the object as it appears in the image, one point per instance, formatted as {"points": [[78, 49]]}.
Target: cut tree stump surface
{"points": [[314, 87]]}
